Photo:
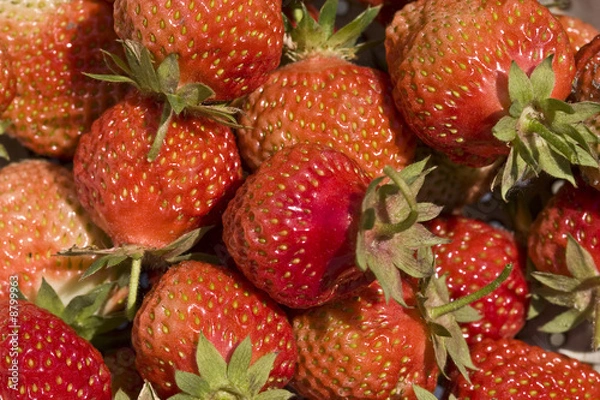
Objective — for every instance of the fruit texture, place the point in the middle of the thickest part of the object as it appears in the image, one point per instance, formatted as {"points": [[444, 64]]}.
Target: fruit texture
{"points": [[580, 32], [43, 358], [195, 297], [51, 44], [40, 215], [152, 203], [291, 228], [8, 82], [229, 46]]}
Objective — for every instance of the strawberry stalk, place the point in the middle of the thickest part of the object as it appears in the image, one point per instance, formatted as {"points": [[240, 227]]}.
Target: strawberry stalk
{"points": [[134, 281]]}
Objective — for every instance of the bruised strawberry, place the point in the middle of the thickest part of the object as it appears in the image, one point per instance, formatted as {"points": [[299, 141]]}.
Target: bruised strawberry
{"points": [[291, 228], [152, 203], [229, 46], [44, 358], [195, 298]]}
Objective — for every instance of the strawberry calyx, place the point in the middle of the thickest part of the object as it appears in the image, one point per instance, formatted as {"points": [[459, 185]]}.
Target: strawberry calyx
{"points": [[139, 257], [544, 134], [163, 82], [392, 239], [578, 293], [310, 36]]}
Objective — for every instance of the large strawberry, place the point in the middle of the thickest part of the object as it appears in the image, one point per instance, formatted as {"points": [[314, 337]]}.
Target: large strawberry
{"points": [[195, 299], [323, 97], [52, 43], [40, 215], [476, 254], [228, 46], [512, 369], [482, 80], [43, 358]]}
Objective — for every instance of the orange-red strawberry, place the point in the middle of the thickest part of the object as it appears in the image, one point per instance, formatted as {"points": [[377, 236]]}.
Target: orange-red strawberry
{"points": [[482, 80], [229, 46], [40, 215], [52, 43], [43, 358], [511, 369], [580, 32], [152, 203], [8, 82], [195, 298], [475, 255], [322, 97]]}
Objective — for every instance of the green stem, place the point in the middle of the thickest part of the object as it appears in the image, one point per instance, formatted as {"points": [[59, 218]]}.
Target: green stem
{"points": [[464, 301], [134, 281], [389, 229]]}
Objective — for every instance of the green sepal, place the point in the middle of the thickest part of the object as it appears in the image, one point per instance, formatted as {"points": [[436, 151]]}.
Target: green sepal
{"points": [[567, 320], [423, 394]]}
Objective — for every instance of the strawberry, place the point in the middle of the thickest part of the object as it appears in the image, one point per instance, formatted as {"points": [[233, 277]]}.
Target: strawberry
{"points": [[124, 375], [363, 347], [195, 298], [476, 254], [196, 171], [323, 97], [291, 228], [512, 369], [40, 215], [42, 357], [483, 81], [8, 82], [52, 43], [579, 32], [228, 46]]}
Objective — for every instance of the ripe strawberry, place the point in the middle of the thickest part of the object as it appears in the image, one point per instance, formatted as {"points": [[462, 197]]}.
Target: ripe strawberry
{"points": [[228, 46], [475, 256], [573, 211], [471, 77], [152, 203], [40, 215], [512, 369], [579, 32], [124, 374], [42, 357], [291, 228], [322, 97], [8, 82], [194, 298], [52, 43]]}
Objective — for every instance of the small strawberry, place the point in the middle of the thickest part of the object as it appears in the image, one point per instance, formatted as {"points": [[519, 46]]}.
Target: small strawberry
{"points": [[483, 81], [510, 369], [43, 358], [228, 46], [52, 43], [475, 255], [579, 32], [195, 299], [323, 97]]}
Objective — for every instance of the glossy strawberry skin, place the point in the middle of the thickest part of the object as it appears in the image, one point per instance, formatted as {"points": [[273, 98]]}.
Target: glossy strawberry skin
{"points": [[40, 215], [50, 359], [194, 297], [329, 101], [52, 44], [291, 228], [8, 81], [152, 203], [475, 256], [512, 369], [449, 61], [362, 347], [580, 32], [229, 46], [574, 211]]}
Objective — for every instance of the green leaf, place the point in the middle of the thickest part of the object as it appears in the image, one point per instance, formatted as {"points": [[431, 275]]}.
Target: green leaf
{"points": [[560, 283], [520, 88], [506, 129], [275, 394], [192, 384], [161, 133], [348, 35], [167, 74], [48, 298], [237, 369], [423, 394], [327, 17], [258, 373], [543, 80], [579, 261], [566, 321], [210, 362], [121, 395]]}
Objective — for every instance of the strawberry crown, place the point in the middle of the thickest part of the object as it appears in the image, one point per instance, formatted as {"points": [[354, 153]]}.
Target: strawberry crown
{"points": [[309, 36]]}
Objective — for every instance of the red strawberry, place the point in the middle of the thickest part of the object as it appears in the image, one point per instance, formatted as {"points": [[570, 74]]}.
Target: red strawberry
{"points": [[8, 82], [463, 75], [322, 97], [152, 203], [52, 44], [40, 215], [195, 298], [228, 46], [476, 254], [124, 374], [579, 32], [291, 228], [512, 369], [43, 358], [363, 347]]}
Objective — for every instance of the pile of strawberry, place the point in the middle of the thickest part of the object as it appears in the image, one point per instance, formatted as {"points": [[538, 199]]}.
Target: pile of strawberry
{"points": [[218, 200]]}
